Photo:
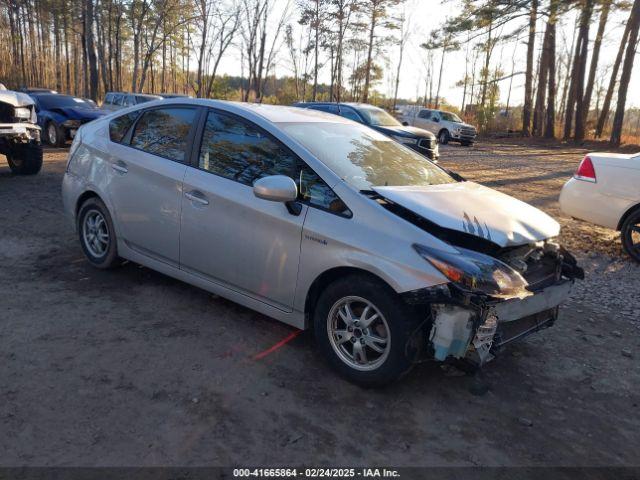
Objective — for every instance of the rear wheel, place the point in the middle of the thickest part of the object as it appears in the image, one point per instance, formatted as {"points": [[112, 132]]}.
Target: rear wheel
{"points": [[97, 235], [25, 159], [631, 235], [444, 137], [364, 329]]}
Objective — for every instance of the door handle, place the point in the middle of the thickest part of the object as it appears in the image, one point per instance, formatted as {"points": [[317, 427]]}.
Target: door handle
{"points": [[120, 167], [196, 197]]}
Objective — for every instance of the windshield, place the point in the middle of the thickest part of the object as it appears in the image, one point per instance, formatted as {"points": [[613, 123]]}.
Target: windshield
{"points": [[450, 117], [365, 158], [48, 102], [378, 117]]}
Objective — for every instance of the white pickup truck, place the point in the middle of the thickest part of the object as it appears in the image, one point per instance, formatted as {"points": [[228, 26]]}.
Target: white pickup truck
{"points": [[19, 132], [446, 126]]}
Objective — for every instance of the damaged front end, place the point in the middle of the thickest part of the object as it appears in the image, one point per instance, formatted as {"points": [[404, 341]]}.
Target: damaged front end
{"points": [[492, 301], [17, 119]]}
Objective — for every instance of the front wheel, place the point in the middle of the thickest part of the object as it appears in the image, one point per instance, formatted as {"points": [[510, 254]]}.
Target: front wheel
{"points": [[25, 159], [364, 330], [97, 235], [444, 137], [54, 135], [631, 235]]}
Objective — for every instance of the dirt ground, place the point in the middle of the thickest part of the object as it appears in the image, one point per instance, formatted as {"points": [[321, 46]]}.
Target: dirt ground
{"points": [[129, 367]]}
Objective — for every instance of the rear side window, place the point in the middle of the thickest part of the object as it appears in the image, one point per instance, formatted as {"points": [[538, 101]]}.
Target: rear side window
{"points": [[119, 126], [426, 114], [108, 98], [164, 132]]}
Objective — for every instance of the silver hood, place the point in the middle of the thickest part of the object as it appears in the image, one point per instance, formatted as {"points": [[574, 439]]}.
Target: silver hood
{"points": [[472, 208], [16, 99]]}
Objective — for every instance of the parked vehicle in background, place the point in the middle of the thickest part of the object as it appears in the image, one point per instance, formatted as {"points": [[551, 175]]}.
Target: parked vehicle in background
{"points": [[319, 222], [60, 116], [30, 90], [605, 190], [447, 126], [117, 100], [419, 140], [174, 95], [19, 132]]}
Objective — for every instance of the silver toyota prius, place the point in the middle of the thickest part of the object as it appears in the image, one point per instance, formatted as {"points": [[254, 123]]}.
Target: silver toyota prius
{"points": [[321, 223]]}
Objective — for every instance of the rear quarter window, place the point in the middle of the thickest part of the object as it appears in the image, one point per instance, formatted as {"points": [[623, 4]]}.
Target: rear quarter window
{"points": [[119, 126]]}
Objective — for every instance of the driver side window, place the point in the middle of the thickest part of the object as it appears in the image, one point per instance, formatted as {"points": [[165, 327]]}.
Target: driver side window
{"points": [[240, 151]]}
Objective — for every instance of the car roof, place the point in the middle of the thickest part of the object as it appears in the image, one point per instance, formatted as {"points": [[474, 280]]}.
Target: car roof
{"points": [[346, 104], [270, 113], [286, 114]]}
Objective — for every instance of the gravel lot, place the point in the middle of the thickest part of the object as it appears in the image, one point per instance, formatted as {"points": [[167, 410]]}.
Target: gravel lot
{"points": [[129, 367]]}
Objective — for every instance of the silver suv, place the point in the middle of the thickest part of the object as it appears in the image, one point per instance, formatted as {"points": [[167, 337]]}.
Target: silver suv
{"points": [[321, 223], [447, 126]]}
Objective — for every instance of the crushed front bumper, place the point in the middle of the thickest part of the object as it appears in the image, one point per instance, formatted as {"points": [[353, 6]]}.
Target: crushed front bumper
{"points": [[19, 132], [477, 330]]}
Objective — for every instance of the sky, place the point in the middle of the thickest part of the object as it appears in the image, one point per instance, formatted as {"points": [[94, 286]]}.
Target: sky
{"points": [[426, 15]]}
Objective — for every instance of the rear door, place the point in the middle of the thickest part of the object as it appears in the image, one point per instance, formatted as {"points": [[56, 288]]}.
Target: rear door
{"points": [[423, 120], [229, 236], [148, 165]]}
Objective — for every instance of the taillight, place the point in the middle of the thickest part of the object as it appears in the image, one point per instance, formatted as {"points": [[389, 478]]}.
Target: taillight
{"points": [[585, 170]]}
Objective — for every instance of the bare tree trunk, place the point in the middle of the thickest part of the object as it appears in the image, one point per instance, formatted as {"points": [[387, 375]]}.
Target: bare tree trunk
{"points": [[602, 119], [440, 78], [541, 91], [528, 85], [595, 55], [625, 77], [367, 79], [582, 68], [549, 130]]}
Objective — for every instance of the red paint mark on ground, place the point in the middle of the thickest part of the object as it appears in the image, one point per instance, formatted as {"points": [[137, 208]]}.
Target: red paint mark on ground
{"points": [[275, 347]]}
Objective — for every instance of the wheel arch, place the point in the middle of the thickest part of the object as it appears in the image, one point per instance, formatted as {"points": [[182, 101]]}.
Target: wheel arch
{"points": [[83, 198], [326, 278], [626, 215]]}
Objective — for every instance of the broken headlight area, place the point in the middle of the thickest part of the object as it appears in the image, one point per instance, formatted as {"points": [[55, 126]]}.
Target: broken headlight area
{"points": [[475, 271], [491, 302]]}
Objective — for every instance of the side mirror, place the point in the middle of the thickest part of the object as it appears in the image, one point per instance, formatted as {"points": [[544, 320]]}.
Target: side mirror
{"points": [[276, 188], [406, 124]]}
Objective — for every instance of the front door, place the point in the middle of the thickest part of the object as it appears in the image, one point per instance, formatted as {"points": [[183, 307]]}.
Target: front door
{"points": [[229, 236], [145, 180]]}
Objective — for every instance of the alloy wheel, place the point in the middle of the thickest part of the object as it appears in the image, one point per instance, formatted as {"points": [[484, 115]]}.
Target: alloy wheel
{"points": [[359, 333], [95, 233], [52, 134]]}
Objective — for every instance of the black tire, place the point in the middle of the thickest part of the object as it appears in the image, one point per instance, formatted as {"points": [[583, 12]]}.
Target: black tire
{"points": [[25, 159], [54, 134], [400, 319], [444, 137], [109, 258], [631, 235]]}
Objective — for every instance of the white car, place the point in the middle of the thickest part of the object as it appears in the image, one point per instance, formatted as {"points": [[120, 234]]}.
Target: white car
{"points": [[605, 190]]}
